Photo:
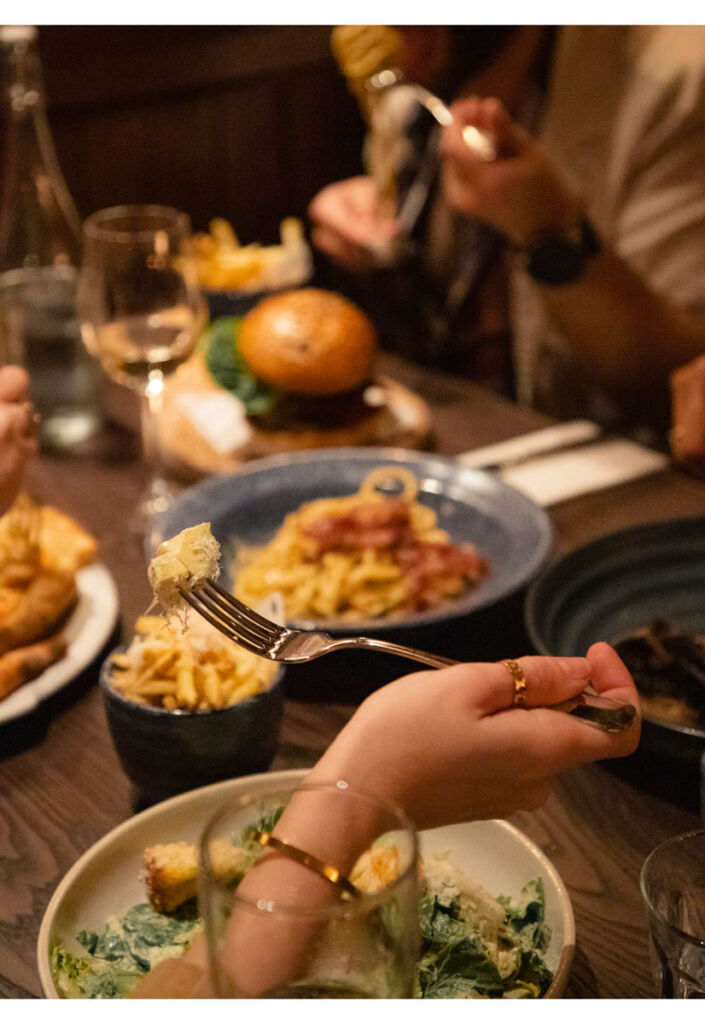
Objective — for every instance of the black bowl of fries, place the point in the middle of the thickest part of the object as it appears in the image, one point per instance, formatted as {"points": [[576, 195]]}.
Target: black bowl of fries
{"points": [[187, 707], [235, 277]]}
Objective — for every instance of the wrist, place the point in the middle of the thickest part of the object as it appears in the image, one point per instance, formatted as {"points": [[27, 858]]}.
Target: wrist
{"points": [[354, 754]]}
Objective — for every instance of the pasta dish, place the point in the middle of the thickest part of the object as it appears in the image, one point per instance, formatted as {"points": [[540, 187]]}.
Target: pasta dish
{"points": [[366, 555]]}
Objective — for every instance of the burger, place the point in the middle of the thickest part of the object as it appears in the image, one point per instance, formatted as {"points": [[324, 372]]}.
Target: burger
{"points": [[302, 367], [302, 362]]}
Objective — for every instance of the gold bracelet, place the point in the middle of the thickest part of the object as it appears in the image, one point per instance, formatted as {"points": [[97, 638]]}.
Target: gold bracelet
{"points": [[331, 874]]}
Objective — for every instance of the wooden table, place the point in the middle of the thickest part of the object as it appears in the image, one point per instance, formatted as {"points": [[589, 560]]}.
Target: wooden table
{"points": [[61, 787]]}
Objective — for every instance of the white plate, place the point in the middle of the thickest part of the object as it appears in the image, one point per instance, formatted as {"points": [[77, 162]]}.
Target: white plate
{"points": [[87, 630], [106, 879]]}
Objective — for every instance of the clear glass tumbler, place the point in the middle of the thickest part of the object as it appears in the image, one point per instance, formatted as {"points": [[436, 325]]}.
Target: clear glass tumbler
{"points": [[286, 931], [673, 888]]}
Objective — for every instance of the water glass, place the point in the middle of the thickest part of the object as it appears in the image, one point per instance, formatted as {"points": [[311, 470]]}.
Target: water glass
{"points": [[286, 931], [673, 888], [39, 330]]}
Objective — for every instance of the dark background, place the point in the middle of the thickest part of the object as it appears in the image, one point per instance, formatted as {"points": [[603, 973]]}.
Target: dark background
{"points": [[241, 122]]}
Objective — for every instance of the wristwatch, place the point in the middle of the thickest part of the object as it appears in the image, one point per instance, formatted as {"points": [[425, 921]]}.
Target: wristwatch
{"points": [[556, 258]]}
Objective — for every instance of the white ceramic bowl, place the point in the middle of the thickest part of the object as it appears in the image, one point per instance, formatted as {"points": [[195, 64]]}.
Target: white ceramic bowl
{"points": [[106, 880]]}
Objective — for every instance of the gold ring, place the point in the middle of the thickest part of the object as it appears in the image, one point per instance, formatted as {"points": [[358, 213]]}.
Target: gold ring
{"points": [[519, 681]]}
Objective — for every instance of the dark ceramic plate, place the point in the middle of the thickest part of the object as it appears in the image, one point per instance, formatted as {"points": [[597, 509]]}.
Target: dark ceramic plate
{"points": [[616, 584], [246, 508]]}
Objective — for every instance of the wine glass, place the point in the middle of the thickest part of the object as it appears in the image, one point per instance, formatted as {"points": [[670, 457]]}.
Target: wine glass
{"points": [[141, 313]]}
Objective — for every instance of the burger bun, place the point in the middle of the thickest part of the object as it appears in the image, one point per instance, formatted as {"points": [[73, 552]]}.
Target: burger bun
{"points": [[309, 341]]}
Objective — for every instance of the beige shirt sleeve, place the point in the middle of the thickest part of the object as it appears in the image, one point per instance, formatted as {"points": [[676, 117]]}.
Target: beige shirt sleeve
{"points": [[625, 120]]}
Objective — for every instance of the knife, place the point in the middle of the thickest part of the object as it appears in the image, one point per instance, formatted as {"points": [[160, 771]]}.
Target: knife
{"points": [[526, 446]]}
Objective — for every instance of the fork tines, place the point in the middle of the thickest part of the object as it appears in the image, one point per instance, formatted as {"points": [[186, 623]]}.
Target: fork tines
{"points": [[233, 618]]}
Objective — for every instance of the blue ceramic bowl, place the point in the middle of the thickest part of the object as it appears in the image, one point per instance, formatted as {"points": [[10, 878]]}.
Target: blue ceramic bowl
{"points": [[246, 509], [168, 752]]}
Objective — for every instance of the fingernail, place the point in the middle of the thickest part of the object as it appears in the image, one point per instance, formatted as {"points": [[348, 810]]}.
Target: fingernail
{"points": [[577, 667]]}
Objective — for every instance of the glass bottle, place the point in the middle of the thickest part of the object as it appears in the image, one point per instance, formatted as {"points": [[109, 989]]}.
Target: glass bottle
{"points": [[39, 256]]}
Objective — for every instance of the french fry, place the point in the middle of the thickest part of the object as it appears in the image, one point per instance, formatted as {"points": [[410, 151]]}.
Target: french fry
{"points": [[150, 625], [185, 683], [223, 263], [223, 233], [212, 690], [191, 670]]}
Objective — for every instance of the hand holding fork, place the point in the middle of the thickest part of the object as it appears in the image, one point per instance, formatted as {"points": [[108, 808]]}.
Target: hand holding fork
{"points": [[295, 646]]}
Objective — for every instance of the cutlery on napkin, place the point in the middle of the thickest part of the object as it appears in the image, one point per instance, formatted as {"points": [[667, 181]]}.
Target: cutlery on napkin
{"points": [[566, 460]]}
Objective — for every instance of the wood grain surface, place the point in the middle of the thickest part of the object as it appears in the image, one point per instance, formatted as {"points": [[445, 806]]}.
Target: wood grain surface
{"points": [[61, 787]]}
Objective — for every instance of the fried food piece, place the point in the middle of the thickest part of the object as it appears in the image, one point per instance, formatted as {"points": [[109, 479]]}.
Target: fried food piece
{"points": [[25, 663], [377, 868], [170, 875], [33, 534], [64, 544], [44, 603], [19, 532], [182, 563], [170, 871], [16, 574]]}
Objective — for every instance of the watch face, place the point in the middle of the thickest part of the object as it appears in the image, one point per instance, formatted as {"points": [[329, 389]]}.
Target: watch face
{"points": [[556, 262], [562, 260]]}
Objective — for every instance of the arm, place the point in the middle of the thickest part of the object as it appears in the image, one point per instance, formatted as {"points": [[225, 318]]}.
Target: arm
{"points": [[446, 745], [612, 318], [411, 737]]}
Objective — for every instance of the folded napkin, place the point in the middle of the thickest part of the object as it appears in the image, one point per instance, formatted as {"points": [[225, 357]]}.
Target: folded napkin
{"points": [[558, 475], [218, 417], [552, 478]]}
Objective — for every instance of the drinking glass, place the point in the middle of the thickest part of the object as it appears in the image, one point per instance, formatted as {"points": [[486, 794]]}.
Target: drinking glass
{"points": [[673, 888], [285, 931], [141, 313]]}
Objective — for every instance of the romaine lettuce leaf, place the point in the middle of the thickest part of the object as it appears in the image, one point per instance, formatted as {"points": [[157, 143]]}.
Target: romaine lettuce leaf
{"points": [[118, 956], [456, 961], [526, 916], [87, 977]]}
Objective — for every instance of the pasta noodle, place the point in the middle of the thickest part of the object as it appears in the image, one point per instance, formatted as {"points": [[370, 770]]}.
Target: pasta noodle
{"points": [[197, 670], [366, 555]]}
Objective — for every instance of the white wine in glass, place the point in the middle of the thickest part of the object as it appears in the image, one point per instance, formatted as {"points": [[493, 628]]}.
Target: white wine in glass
{"points": [[141, 313]]}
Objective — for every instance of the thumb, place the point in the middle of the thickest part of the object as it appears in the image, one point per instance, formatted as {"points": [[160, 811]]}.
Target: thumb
{"points": [[14, 383]]}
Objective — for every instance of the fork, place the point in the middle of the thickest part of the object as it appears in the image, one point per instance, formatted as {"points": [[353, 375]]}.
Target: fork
{"points": [[390, 80], [294, 646], [482, 144]]}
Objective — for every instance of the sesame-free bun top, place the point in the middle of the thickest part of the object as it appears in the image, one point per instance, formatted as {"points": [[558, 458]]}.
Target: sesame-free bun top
{"points": [[309, 341]]}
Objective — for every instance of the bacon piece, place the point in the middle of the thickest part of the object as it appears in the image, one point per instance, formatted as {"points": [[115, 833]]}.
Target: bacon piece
{"points": [[427, 562], [369, 525]]}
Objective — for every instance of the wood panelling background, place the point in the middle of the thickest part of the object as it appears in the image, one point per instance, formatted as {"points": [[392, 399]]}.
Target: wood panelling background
{"points": [[244, 122]]}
